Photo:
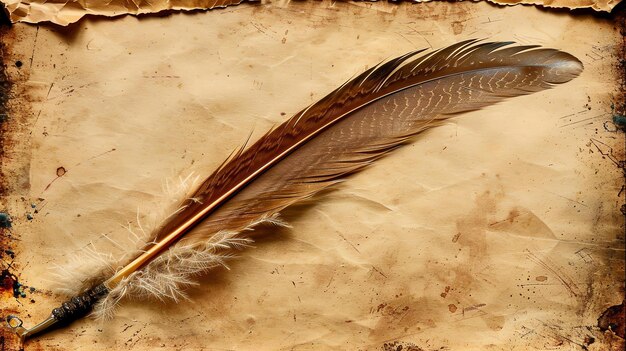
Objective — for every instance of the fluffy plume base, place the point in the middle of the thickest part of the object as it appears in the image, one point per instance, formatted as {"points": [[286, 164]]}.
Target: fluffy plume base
{"points": [[166, 277]]}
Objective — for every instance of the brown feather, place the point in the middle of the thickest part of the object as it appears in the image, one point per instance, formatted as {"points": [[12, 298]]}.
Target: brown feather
{"points": [[363, 120]]}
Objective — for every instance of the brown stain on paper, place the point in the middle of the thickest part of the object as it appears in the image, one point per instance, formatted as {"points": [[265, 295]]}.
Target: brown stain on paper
{"points": [[472, 228], [403, 315], [7, 338], [614, 319], [16, 120]]}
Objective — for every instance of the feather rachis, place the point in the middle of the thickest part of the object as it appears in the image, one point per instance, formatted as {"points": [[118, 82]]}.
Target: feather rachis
{"points": [[167, 276]]}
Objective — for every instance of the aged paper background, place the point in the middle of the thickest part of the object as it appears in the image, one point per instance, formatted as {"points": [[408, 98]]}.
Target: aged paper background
{"points": [[64, 12], [499, 230]]}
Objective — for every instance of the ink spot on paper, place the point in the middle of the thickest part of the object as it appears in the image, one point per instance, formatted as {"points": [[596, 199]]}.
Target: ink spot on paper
{"points": [[5, 220], [620, 121], [400, 346], [445, 292], [9, 283]]}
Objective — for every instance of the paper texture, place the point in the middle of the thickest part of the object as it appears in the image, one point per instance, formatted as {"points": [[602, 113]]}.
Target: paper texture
{"points": [[64, 12], [602, 5], [499, 230]]}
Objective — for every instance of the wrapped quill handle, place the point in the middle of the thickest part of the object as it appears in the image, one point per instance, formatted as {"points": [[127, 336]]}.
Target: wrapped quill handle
{"points": [[69, 311]]}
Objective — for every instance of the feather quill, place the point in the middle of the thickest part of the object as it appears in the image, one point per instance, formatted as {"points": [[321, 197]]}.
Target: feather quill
{"points": [[363, 120]]}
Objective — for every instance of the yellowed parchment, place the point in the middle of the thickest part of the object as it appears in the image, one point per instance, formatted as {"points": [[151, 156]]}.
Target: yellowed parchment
{"points": [[499, 230], [64, 12], [601, 5]]}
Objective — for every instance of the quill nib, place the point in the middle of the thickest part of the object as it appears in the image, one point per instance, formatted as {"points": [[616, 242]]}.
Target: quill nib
{"points": [[16, 324], [70, 310]]}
